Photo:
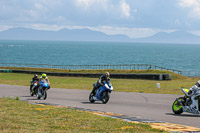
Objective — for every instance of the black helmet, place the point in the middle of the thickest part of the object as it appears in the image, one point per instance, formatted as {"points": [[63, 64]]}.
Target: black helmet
{"points": [[35, 75]]}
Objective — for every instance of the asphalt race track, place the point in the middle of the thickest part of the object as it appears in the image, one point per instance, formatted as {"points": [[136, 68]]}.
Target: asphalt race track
{"points": [[156, 107]]}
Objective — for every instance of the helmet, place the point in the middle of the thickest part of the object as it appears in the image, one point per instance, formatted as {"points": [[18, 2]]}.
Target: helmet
{"points": [[44, 76], [107, 75], [35, 75]]}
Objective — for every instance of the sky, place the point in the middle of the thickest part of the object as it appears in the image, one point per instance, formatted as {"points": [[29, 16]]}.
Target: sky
{"points": [[134, 18]]}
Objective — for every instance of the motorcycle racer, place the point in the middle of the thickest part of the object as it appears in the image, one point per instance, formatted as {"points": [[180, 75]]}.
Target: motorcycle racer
{"points": [[192, 93], [100, 82], [44, 77], [190, 102], [194, 88], [34, 79]]}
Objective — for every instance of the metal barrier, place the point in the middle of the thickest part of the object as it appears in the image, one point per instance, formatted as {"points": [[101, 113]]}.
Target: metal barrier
{"points": [[92, 67], [101, 67], [191, 73], [5, 70], [96, 75]]}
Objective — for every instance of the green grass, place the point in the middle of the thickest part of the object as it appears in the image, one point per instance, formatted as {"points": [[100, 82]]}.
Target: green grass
{"points": [[126, 85], [18, 116]]}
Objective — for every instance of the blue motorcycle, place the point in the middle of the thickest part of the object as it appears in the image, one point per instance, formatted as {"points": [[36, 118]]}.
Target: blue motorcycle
{"points": [[102, 93], [42, 89]]}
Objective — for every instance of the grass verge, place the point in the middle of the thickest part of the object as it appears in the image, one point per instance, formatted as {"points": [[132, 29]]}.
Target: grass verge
{"points": [[124, 85], [18, 116]]}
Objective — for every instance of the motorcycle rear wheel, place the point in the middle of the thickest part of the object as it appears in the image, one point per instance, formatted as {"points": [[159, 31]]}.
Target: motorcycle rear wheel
{"points": [[91, 97], [176, 107], [31, 91]]}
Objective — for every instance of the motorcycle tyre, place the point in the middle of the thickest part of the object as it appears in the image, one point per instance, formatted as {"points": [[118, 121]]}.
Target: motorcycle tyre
{"points": [[44, 95], [31, 93], [177, 111], [36, 91], [37, 94], [105, 97], [91, 97], [38, 97]]}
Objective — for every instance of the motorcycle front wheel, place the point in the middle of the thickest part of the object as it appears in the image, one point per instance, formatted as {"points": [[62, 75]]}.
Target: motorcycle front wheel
{"points": [[38, 96], [105, 97], [44, 95], [177, 107]]}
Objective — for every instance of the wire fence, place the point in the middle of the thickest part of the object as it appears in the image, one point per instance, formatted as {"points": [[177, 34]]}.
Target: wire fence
{"points": [[191, 73], [92, 67]]}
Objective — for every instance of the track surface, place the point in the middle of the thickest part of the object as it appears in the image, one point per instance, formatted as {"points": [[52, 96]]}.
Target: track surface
{"points": [[141, 105]]}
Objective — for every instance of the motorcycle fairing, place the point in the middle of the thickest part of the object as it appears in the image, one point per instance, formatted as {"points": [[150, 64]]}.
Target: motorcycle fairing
{"points": [[185, 91], [100, 91], [44, 84], [196, 109], [190, 110]]}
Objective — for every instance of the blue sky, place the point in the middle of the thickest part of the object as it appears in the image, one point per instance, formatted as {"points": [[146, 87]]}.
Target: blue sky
{"points": [[135, 18]]}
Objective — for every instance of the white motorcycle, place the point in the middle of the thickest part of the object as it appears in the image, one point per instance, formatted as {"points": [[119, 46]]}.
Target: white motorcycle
{"points": [[188, 103]]}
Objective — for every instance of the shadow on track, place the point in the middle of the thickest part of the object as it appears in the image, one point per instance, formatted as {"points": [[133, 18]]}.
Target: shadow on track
{"points": [[31, 99], [183, 115], [90, 103], [26, 96]]}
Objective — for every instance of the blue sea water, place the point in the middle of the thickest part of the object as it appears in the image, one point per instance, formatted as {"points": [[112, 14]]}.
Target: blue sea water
{"points": [[183, 57]]}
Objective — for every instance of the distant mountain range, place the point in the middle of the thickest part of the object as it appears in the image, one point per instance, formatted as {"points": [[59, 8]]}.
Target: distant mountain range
{"points": [[62, 35], [90, 35], [173, 37]]}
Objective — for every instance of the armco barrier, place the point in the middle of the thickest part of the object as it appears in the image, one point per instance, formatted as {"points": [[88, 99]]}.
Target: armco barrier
{"points": [[96, 75], [5, 70]]}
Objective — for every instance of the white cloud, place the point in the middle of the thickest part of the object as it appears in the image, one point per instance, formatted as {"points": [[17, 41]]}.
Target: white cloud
{"points": [[2, 27], [125, 8], [189, 3], [135, 18], [85, 2], [195, 33], [89, 3], [110, 7], [193, 5]]}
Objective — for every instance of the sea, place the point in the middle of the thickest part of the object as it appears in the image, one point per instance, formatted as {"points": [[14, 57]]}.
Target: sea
{"points": [[184, 57]]}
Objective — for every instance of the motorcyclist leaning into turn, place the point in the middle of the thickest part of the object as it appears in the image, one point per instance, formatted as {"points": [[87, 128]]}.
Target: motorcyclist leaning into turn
{"points": [[192, 92], [194, 88], [34, 79], [44, 77], [100, 82]]}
